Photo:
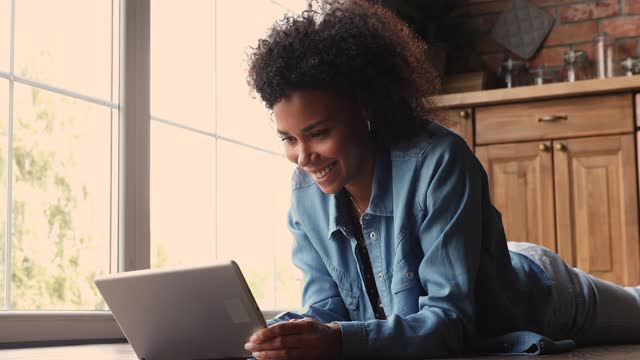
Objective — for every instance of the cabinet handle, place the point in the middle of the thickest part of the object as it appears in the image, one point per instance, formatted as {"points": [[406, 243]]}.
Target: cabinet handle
{"points": [[464, 114], [561, 147], [544, 147], [553, 118]]}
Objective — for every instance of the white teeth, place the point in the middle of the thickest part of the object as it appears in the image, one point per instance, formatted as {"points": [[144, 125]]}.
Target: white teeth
{"points": [[322, 173]]}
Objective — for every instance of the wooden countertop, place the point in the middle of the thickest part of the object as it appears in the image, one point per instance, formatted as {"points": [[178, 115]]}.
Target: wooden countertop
{"points": [[528, 93]]}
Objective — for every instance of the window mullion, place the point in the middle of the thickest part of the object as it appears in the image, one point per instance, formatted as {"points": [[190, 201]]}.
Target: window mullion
{"points": [[134, 241], [7, 267]]}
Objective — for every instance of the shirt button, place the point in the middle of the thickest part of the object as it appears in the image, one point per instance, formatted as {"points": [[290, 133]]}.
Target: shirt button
{"points": [[366, 216], [409, 275], [372, 235], [379, 275]]}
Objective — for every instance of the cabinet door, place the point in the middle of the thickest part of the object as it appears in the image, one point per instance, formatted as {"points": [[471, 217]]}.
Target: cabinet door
{"points": [[638, 109], [521, 186], [597, 206], [461, 122]]}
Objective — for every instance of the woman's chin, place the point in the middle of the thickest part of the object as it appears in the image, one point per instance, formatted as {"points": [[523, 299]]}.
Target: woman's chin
{"points": [[330, 189]]}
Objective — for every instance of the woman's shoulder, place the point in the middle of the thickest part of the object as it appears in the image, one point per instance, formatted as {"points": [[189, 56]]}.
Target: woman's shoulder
{"points": [[433, 139]]}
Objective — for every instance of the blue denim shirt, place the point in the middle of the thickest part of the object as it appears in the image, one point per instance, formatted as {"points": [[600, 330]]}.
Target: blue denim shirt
{"points": [[437, 247]]}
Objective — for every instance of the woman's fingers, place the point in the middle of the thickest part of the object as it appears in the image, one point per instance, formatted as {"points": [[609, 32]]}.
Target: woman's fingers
{"points": [[281, 329], [303, 339], [266, 333], [280, 343]]}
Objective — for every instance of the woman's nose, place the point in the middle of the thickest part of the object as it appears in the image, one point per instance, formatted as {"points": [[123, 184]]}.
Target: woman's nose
{"points": [[304, 156]]}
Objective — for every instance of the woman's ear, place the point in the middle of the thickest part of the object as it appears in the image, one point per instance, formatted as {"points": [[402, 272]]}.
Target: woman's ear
{"points": [[364, 113]]}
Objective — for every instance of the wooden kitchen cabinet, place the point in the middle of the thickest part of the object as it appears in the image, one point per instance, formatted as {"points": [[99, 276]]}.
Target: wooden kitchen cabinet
{"points": [[638, 109], [562, 180], [521, 187], [597, 206], [553, 119]]}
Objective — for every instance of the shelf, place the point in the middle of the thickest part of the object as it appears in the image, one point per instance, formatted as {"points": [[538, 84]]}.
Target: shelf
{"points": [[528, 93]]}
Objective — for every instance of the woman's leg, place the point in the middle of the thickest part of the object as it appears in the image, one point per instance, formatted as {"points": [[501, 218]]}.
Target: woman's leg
{"points": [[616, 312], [584, 308]]}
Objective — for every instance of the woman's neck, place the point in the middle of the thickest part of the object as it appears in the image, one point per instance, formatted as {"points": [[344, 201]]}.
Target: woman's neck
{"points": [[360, 188]]}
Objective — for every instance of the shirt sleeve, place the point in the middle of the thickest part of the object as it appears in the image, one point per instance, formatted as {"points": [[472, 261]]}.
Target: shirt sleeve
{"points": [[450, 237], [320, 295]]}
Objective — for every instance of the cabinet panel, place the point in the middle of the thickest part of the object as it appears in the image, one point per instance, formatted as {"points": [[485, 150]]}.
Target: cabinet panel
{"points": [[521, 187], [638, 109], [552, 119], [597, 206], [460, 121]]}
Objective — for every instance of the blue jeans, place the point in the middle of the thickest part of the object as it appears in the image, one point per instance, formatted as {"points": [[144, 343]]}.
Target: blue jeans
{"points": [[584, 308]]}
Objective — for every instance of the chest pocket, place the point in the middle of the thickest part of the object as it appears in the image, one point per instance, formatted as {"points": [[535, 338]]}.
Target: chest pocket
{"points": [[406, 286], [348, 289], [351, 299]]}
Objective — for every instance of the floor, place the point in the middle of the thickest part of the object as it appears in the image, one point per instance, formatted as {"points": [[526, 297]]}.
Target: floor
{"points": [[619, 352], [124, 352]]}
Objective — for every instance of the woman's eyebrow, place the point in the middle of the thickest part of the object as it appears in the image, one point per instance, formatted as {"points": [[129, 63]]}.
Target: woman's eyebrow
{"points": [[305, 129]]}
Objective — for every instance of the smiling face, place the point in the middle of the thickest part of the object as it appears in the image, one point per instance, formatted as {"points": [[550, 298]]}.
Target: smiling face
{"points": [[327, 137]]}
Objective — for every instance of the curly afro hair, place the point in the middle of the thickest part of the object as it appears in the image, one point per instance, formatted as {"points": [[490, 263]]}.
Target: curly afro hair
{"points": [[355, 49]]}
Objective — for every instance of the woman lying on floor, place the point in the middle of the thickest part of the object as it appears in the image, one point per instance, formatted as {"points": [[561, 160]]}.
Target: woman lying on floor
{"points": [[402, 252]]}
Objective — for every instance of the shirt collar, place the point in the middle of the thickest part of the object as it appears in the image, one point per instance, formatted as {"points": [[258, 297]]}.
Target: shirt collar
{"points": [[381, 202]]}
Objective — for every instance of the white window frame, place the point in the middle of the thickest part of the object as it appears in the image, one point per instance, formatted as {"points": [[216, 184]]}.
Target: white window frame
{"points": [[51, 327]]}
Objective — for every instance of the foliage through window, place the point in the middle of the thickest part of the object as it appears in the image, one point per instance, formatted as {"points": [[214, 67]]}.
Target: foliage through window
{"points": [[57, 163], [219, 182]]}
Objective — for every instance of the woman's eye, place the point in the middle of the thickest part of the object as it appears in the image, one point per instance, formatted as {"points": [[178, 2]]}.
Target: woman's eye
{"points": [[320, 133], [287, 139]]}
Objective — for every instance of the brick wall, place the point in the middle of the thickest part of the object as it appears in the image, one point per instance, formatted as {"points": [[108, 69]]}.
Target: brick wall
{"points": [[576, 24]]}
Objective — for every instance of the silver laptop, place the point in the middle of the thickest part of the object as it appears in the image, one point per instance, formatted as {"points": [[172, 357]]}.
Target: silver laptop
{"points": [[203, 312]]}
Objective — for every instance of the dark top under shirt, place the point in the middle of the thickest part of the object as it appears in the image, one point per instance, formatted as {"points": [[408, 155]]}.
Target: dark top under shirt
{"points": [[367, 271]]}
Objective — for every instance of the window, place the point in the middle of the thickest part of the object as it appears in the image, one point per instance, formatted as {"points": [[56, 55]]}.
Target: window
{"points": [[219, 181], [219, 184], [57, 160], [58, 166]]}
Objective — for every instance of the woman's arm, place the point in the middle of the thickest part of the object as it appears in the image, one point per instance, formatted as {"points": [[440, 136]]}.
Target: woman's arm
{"points": [[313, 334], [320, 295]]}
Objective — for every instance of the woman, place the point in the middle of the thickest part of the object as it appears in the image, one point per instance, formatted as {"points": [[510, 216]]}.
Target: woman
{"points": [[402, 252]]}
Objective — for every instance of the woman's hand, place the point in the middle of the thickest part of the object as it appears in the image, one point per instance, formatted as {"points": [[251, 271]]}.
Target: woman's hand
{"points": [[297, 339]]}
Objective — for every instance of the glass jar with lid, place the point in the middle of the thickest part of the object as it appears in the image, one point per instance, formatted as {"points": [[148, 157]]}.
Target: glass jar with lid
{"points": [[630, 66], [514, 73], [576, 66], [542, 75], [604, 55]]}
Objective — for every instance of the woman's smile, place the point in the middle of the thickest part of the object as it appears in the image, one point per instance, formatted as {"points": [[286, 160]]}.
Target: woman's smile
{"points": [[322, 173]]}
